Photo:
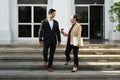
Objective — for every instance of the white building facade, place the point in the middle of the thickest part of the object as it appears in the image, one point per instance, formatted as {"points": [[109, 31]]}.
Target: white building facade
{"points": [[20, 19]]}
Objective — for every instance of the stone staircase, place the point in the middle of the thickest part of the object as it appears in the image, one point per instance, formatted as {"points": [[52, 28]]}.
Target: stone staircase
{"points": [[24, 62]]}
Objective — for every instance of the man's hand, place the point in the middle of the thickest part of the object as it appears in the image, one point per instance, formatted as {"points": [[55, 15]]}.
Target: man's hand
{"points": [[41, 43], [59, 43]]}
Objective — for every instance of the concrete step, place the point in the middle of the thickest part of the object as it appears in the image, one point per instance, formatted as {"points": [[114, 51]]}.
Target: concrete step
{"points": [[60, 50], [24, 62], [61, 46], [57, 57], [60, 66], [58, 75]]}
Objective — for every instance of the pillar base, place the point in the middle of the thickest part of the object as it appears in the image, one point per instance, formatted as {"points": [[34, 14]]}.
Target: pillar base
{"points": [[5, 37]]}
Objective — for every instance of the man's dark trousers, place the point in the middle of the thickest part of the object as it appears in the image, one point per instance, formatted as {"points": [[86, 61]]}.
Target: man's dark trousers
{"points": [[52, 48]]}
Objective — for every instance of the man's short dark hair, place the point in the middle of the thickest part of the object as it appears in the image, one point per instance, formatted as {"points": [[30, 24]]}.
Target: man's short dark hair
{"points": [[51, 11]]}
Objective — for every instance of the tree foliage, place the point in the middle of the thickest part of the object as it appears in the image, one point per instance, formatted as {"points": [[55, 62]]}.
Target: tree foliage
{"points": [[115, 14]]}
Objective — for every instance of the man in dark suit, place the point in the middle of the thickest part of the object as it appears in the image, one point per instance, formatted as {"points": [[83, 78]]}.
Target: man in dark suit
{"points": [[49, 37]]}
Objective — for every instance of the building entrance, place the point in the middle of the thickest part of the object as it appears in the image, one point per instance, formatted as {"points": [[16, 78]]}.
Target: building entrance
{"points": [[96, 22], [91, 13]]}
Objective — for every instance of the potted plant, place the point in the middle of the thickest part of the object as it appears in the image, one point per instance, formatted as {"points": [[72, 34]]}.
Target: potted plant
{"points": [[115, 15]]}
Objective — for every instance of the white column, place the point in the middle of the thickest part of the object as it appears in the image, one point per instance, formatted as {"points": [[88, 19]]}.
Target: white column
{"points": [[64, 9], [13, 20], [108, 24], [5, 37]]}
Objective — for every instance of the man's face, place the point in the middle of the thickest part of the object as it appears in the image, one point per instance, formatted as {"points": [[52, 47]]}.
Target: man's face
{"points": [[52, 15]]}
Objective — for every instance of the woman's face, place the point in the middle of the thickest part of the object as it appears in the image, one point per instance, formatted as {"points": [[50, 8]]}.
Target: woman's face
{"points": [[72, 19]]}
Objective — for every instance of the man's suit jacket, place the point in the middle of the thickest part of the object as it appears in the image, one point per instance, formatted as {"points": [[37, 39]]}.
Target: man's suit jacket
{"points": [[49, 35]]}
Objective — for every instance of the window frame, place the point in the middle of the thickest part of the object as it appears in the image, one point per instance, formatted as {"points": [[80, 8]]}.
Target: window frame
{"points": [[90, 3]]}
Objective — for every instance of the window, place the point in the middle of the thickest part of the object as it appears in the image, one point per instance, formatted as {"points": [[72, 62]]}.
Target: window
{"points": [[39, 13], [24, 30], [36, 29], [30, 15], [85, 30], [83, 13], [24, 14], [32, 1], [89, 1]]}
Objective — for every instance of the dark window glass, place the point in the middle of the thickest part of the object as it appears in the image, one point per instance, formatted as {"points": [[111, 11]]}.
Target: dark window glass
{"points": [[24, 30], [83, 14], [89, 1], [39, 14], [84, 30], [36, 30], [32, 1], [96, 22], [24, 14]]}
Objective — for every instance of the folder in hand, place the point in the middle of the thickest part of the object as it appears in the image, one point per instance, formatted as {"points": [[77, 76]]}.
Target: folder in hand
{"points": [[75, 41]]}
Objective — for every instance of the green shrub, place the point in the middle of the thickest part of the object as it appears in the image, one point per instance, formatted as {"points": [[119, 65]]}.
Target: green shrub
{"points": [[115, 14]]}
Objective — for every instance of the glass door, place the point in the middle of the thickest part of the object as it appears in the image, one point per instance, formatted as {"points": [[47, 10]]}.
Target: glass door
{"points": [[96, 22]]}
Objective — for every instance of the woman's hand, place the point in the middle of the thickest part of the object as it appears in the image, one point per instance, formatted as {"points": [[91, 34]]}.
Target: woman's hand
{"points": [[41, 43]]}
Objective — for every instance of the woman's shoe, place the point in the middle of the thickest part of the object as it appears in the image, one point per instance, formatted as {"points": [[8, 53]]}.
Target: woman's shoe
{"points": [[67, 63], [74, 69], [50, 70]]}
